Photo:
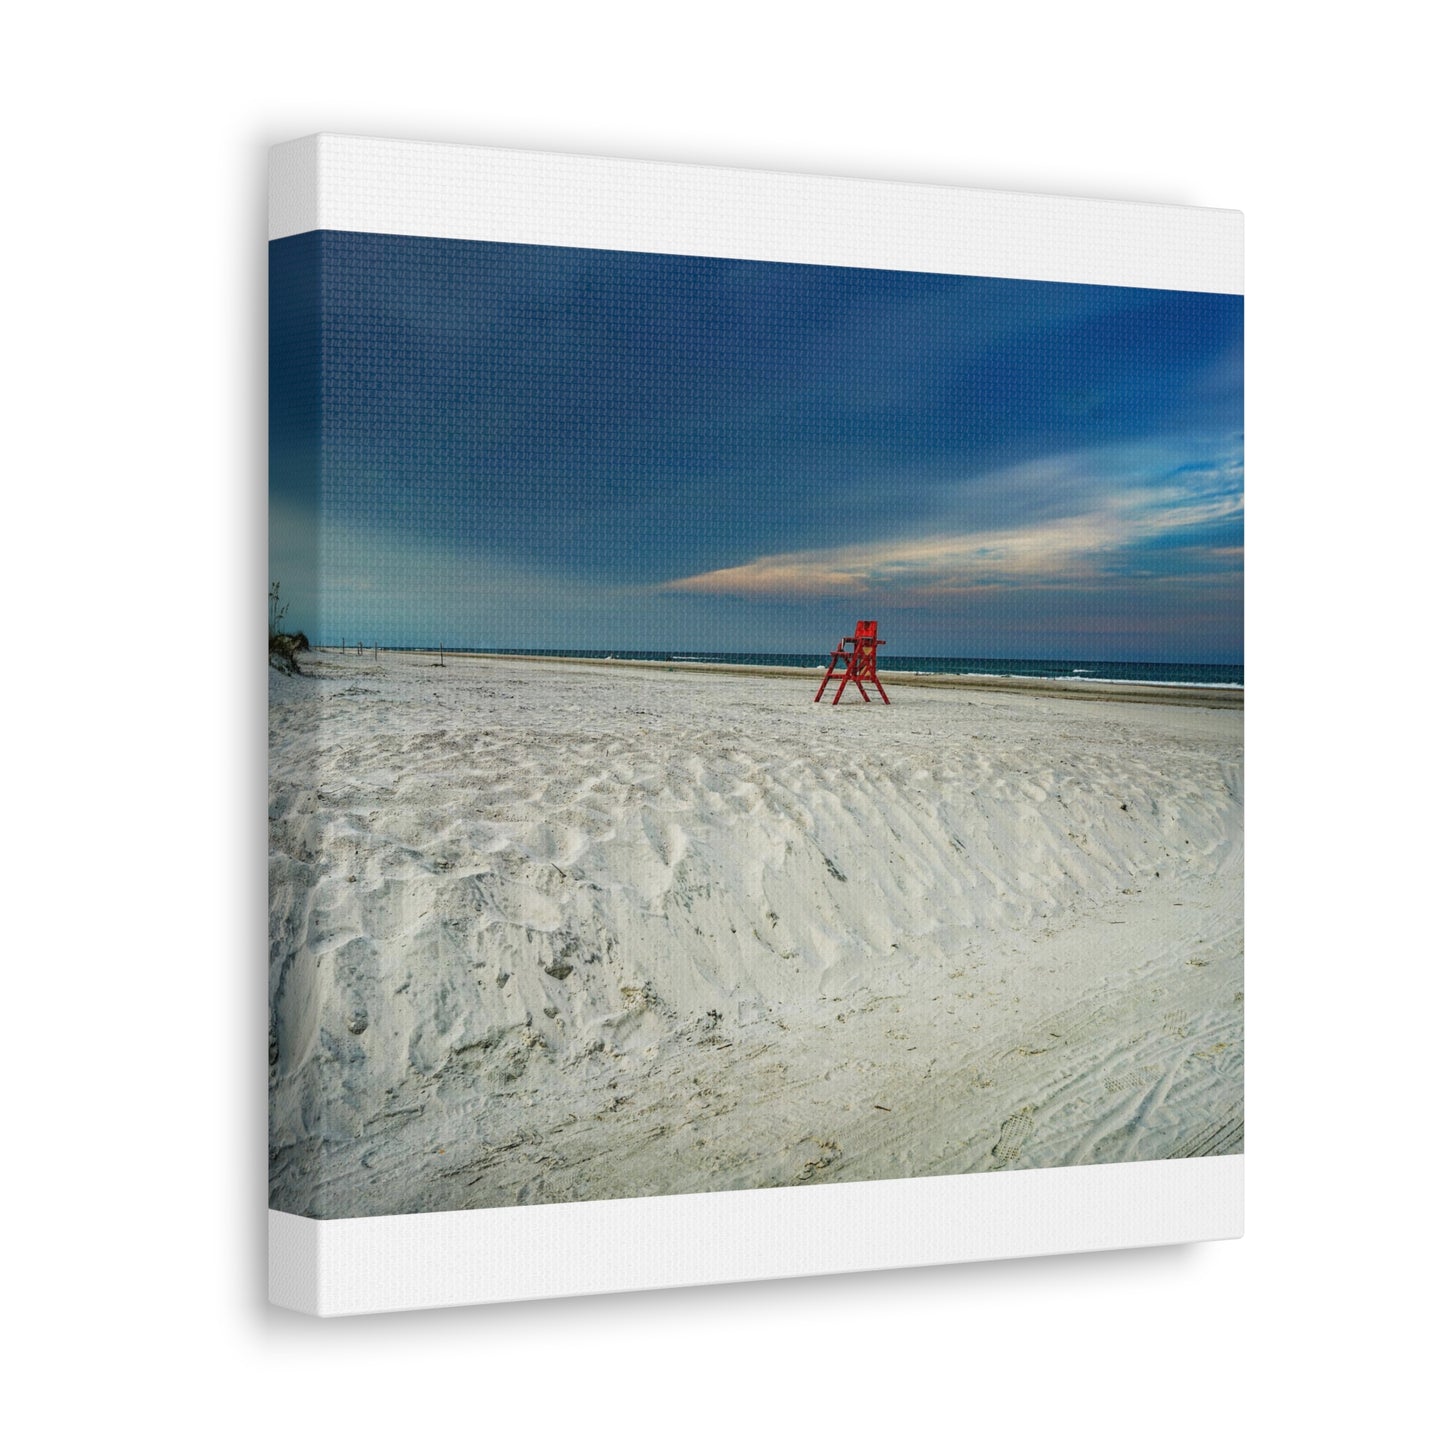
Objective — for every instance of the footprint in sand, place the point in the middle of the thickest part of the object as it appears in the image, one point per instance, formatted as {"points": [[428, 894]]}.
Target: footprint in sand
{"points": [[1016, 1132], [817, 1155]]}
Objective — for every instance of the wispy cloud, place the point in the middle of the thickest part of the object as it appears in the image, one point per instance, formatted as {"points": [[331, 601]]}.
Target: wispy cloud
{"points": [[1112, 521]]}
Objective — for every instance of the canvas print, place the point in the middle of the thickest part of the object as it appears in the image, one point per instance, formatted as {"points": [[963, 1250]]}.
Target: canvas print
{"points": [[741, 725]]}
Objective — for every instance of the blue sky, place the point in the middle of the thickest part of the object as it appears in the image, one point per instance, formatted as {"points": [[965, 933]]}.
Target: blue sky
{"points": [[479, 444]]}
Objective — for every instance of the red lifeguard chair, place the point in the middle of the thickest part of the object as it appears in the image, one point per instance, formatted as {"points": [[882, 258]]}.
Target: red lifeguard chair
{"points": [[858, 657]]}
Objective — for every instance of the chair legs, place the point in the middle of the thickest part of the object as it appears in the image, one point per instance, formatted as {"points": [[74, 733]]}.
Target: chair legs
{"points": [[858, 668], [828, 676]]}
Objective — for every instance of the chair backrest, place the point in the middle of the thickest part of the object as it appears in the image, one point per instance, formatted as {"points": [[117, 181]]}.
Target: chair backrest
{"points": [[865, 631]]}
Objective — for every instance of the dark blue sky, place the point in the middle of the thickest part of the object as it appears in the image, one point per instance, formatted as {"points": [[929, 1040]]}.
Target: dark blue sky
{"points": [[497, 445]]}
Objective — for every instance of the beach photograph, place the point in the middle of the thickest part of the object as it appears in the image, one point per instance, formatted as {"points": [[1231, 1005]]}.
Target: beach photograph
{"points": [[737, 724]]}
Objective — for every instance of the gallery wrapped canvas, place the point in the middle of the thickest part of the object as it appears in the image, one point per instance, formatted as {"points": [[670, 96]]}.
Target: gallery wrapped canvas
{"points": [[756, 724]]}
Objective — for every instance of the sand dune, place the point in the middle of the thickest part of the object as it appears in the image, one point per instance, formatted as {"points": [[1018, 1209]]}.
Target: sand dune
{"points": [[546, 931]]}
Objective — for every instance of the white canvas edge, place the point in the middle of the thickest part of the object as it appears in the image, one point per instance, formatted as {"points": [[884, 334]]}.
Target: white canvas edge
{"points": [[415, 188], [487, 1256]]}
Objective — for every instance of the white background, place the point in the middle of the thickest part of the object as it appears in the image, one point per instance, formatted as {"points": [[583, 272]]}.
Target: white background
{"points": [[134, 547]]}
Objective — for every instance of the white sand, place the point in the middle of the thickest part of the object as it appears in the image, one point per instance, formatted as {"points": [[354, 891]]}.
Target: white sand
{"points": [[547, 932]]}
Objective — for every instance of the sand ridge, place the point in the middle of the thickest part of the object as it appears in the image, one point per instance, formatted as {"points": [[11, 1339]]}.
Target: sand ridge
{"points": [[547, 931]]}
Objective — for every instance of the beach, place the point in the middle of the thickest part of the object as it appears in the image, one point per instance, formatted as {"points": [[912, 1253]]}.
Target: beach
{"points": [[546, 930]]}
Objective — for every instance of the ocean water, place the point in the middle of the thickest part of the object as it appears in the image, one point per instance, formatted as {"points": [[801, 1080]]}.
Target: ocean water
{"points": [[1178, 674]]}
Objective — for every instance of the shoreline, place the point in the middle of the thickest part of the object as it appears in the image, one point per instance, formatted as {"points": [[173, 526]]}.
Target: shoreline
{"points": [[1169, 694]]}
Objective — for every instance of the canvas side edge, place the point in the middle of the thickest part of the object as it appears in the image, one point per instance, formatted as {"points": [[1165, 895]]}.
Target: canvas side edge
{"points": [[466, 192], [293, 1260], [294, 199], [491, 1256]]}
